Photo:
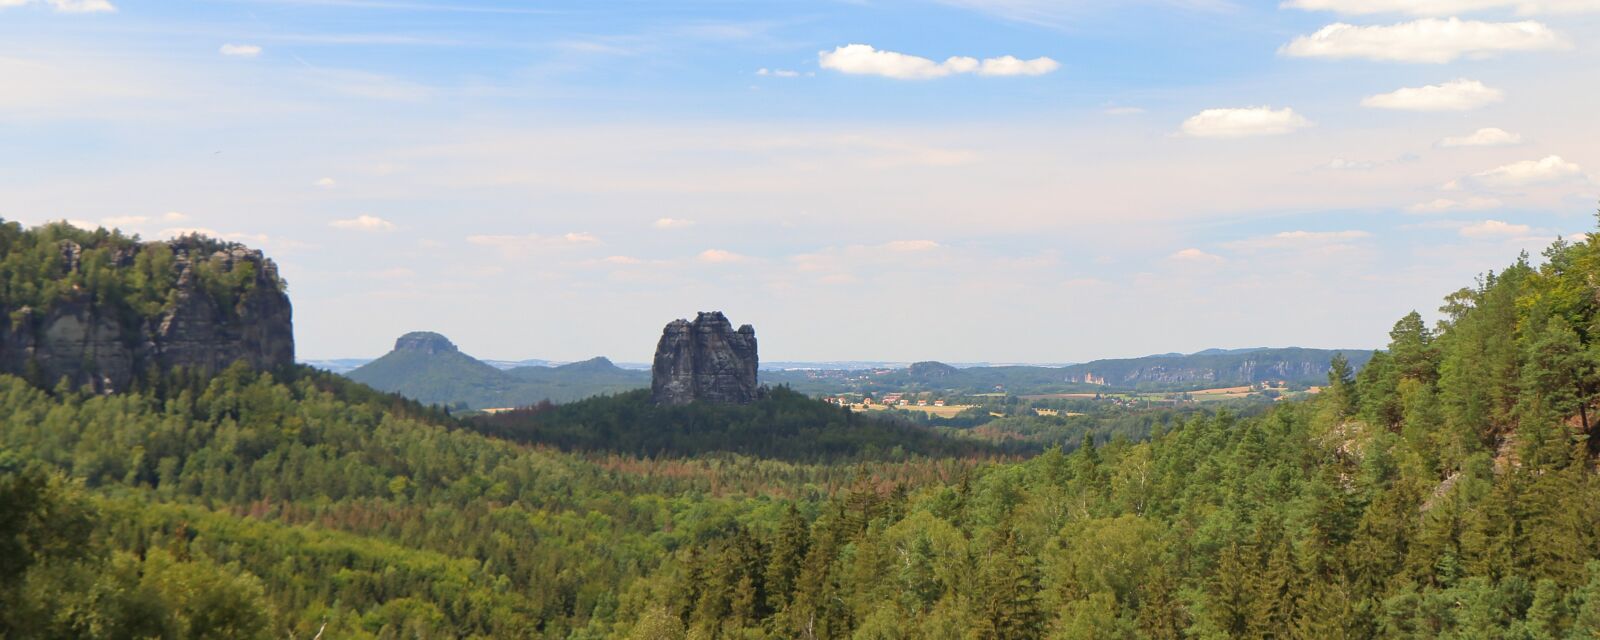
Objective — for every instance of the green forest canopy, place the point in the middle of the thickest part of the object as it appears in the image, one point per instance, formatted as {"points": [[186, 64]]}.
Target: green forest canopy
{"points": [[1448, 490]]}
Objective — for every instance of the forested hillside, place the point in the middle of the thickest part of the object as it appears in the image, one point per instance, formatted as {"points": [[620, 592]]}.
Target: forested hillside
{"points": [[1447, 490], [428, 368], [1170, 372], [782, 424]]}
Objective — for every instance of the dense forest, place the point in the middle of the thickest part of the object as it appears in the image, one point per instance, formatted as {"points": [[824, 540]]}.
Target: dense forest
{"points": [[1447, 490], [782, 424]]}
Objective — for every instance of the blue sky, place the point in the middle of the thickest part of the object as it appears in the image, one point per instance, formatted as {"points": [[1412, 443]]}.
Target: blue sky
{"points": [[1012, 180]]}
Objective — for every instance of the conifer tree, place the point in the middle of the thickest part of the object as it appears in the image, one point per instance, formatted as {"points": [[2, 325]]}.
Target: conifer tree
{"points": [[1009, 600]]}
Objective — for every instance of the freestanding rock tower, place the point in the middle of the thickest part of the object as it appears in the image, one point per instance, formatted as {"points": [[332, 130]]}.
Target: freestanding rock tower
{"points": [[705, 360]]}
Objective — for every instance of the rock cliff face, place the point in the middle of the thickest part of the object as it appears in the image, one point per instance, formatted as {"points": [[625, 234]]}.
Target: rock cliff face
{"points": [[1214, 367], [426, 342], [705, 360], [237, 310]]}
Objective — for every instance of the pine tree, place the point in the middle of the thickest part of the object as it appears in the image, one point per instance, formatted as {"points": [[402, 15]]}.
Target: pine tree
{"points": [[1276, 601], [1161, 614], [1341, 390], [1325, 613], [1231, 596], [1010, 588], [788, 552]]}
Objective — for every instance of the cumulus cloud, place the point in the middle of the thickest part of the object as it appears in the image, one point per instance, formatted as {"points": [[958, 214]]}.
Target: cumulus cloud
{"points": [[363, 223], [240, 50], [863, 59], [1487, 137], [1013, 66], [672, 223], [174, 216], [904, 246], [1429, 40], [1494, 229], [67, 6], [778, 73], [719, 256], [1243, 122], [124, 221], [1442, 7], [256, 239], [1195, 255], [1526, 173], [1456, 95], [1443, 205]]}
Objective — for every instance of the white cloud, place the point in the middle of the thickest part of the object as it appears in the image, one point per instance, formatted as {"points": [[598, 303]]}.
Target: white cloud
{"points": [[325, 183], [1494, 229], [672, 223], [124, 221], [1442, 7], [363, 223], [1526, 173], [83, 6], [1442, 205], [1239, 123], [903, 246], [240, 50], [1427, 40], [255, 239], [1196, 255], [67, 6], [719, 256], [515, 245], [863, 59], [1487, 137], [1013, 66], [778, 73], [174, 216], [1456, 95]]}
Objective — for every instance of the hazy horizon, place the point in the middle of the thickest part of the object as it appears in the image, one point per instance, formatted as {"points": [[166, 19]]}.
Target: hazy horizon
{"points": [[964, 180], [766, 360]]}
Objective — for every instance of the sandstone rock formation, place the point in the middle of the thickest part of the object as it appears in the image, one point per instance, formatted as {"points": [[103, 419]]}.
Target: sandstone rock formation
{"points": [[705, 360], [105, 345], [426, 342]]}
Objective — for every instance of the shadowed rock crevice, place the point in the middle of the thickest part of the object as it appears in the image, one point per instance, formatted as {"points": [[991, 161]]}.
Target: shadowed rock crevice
{"points": [[705, 360]]}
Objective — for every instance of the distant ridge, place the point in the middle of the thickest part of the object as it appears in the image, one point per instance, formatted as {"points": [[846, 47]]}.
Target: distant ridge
{"points": [[1168, 372], [427, 367]]}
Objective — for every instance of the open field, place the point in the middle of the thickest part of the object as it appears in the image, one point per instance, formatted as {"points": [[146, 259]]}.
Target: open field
{"points": [[1222, 391], [947, 411]]}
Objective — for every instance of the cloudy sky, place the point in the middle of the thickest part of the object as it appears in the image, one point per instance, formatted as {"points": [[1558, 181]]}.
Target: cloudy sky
{"points": [[1002, 180]]}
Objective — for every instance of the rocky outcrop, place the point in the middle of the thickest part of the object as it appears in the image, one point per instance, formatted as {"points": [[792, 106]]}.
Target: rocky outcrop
{"points": [[931, 369], [235, 310], [426, 342], [705, 361], [1213, 367]]}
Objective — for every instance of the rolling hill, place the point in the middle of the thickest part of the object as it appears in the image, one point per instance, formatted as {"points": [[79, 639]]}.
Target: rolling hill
{"points": [[426, 367], [1165, 372]]}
